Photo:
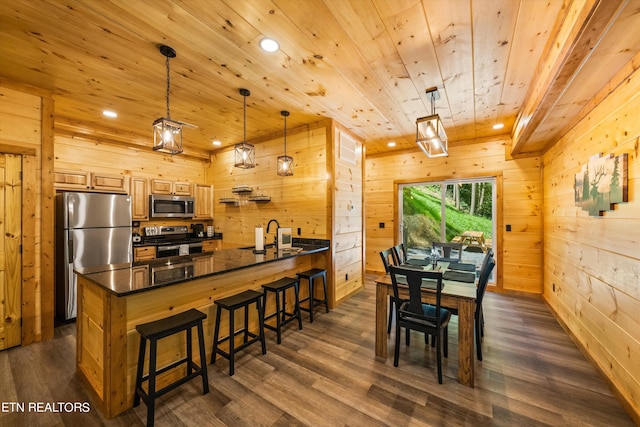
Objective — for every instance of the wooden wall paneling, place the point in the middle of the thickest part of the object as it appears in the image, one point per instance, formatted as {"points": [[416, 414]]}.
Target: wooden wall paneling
{"points": [[519, 200], [31, 282], [346, 215], [297, 201], [94, 156], [592, 263], [30, 111]]}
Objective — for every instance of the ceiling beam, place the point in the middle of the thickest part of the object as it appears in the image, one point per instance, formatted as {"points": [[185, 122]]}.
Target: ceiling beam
{"points": [[576, 34]]}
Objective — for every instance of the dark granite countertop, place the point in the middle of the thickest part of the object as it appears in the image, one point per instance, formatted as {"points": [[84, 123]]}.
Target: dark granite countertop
{"points": [[190, 239], [124, 279]]}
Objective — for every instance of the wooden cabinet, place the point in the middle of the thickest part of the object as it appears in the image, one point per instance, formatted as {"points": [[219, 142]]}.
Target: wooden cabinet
{"points": [[96, 181], [211, 245], [203, 265], [203, 201], [139, 198], [142, 253], [140, 276], [165, 186]]}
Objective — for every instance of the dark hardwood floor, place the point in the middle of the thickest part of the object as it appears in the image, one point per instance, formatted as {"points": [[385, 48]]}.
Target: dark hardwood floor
{"points": [[326, 375]]}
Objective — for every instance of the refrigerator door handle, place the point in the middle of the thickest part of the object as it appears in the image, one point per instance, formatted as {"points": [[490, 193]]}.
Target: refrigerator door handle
{"points": [[70, 246]]}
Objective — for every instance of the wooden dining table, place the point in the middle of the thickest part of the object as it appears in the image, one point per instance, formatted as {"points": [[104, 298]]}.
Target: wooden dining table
{"points": [[458, 295]]}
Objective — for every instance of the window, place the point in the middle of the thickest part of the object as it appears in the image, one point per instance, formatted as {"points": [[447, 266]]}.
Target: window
{"points": [[460, 210]]}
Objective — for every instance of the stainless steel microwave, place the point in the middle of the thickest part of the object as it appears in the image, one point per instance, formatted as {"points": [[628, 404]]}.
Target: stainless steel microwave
{"points": [[161, 206]]}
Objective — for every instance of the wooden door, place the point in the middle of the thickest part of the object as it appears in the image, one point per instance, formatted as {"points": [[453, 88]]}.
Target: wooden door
{"points": [[10, 244]]}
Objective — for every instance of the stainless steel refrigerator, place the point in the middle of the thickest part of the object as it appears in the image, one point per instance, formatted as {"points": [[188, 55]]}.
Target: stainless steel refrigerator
{"points": [[92, 229]]}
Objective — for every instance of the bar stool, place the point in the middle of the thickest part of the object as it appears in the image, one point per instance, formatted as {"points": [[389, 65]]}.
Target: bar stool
{"points": [[231, 304], [279, 287], [153, 331], [311, 275]]}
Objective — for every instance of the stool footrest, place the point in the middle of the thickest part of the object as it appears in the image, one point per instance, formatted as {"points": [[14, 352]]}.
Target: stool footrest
{"points": [[145, 397]]}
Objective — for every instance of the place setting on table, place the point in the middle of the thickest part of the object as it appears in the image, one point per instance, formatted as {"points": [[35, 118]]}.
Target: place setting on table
{"points": [[456, 271]]}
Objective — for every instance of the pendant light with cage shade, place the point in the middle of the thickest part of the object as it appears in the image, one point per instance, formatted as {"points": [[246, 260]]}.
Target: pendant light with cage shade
{"points": [[167, 133], [245, 154], [285, 163], [430, 134]]}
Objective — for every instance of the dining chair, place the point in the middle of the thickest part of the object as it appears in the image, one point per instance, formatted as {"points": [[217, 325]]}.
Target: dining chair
{"points": [[488, 263], [449, 252], [479, 317], [413, 314], [485, 260], [389, 258], [400, 253]]}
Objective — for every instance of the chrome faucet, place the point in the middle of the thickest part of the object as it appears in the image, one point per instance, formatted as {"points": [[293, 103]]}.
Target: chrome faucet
{"points": [[275, 238]]}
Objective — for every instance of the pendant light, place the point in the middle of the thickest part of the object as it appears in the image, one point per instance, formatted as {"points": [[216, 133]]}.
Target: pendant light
{"points": [[167, 134], [245, 154], [430, 134], [285, 163]]}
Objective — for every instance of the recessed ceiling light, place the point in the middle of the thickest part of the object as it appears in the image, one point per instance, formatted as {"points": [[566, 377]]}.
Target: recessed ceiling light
{"points": [[216, 142], [109, 113], [269, 45], [498, 126], [391, 144]]}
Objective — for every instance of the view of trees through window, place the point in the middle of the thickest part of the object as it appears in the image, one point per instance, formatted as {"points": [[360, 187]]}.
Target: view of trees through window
{"points": [[444, 211]]}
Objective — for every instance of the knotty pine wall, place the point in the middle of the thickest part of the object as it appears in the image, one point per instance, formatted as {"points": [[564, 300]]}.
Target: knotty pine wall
{"points": [[298, 201], [519, 203], [592, 264], [315, 199], [26, 129], [87, 155], [347, 217]]}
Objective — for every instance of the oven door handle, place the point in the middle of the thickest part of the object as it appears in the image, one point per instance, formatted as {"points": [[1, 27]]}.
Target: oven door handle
{"points": [[168, 248]]}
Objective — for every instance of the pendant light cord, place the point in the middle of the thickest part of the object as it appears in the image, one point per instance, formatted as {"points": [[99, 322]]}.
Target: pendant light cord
{"points": [[285, 135], [168, 85], [244, 139]]}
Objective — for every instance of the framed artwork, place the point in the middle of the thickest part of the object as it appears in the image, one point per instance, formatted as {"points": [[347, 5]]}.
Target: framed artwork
{"points": [[602, 183]]}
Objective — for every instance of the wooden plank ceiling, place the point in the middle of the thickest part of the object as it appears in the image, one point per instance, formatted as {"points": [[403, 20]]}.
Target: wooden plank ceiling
{"points": [[529, 64]]}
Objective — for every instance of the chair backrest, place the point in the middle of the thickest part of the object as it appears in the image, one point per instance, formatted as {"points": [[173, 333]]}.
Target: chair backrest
{"points": [[482, 283], [413, 279], [400, 253], [388, 258], [485, 260], [449, 251]]}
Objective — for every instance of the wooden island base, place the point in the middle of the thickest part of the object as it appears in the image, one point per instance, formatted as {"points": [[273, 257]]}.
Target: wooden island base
{"points": [[107, 342]]}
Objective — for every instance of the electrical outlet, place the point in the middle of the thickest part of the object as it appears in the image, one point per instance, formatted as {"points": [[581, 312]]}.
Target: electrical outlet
{"points": [[381, 225], [508, 227], [346, 276], [299, 231]]}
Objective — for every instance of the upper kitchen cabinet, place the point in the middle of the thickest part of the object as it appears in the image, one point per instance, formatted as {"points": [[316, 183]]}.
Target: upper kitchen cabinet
{"points": [[95, 181], [139, 198], [204, 201], [165, 186]]}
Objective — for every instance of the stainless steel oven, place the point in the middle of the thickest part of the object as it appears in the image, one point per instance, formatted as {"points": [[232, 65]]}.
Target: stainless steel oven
{"points": [[173, 249], [161, 206]]}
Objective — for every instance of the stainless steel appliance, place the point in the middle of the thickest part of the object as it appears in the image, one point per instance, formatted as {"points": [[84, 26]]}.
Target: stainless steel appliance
{"points": [[172, 241], [92, 229], [169, 273], [161, 206]]}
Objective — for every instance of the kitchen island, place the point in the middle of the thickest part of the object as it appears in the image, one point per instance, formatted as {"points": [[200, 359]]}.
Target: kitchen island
{"points": [[113, 299]]}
